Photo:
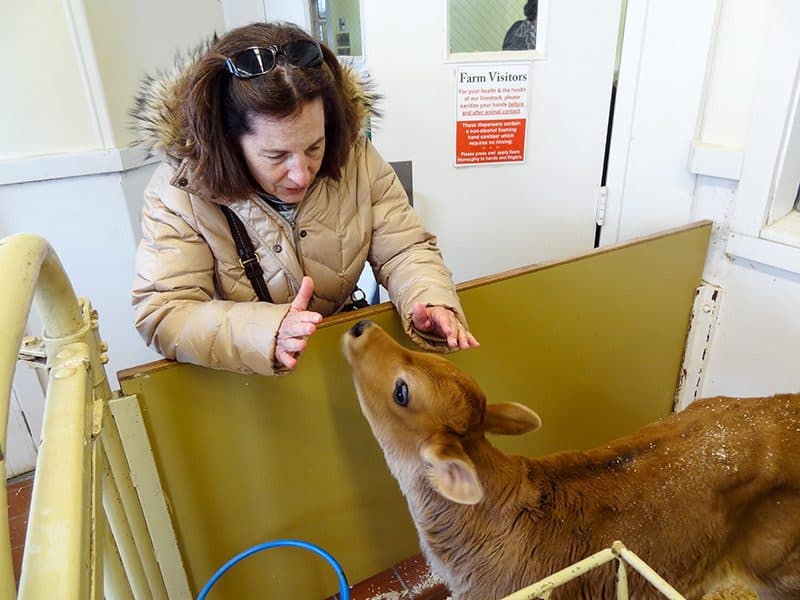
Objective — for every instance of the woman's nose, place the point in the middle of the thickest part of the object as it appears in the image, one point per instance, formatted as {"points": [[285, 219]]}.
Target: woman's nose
{"points": [[300, 172]]}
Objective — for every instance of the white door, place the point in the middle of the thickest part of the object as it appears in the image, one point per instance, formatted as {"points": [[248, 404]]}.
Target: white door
{"points": [[490, 218]]}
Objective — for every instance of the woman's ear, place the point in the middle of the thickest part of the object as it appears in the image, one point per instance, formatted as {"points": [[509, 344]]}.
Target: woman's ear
{"points": [[510, 418], [450, 471]]}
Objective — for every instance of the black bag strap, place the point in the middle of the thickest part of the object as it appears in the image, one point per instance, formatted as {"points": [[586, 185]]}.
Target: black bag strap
{"points": [[358, 299], [247, 254]]}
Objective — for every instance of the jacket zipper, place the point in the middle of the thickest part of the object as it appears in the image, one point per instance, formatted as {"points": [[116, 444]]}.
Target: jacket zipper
{"points": [[293, 227], [296, 238]]}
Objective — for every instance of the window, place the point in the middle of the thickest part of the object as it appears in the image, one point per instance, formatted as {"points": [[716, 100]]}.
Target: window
{"points": [[783, 220], [338, 24], [505, 30]]}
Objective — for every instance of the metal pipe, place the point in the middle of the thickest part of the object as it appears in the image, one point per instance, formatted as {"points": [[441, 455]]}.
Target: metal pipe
{"points": [[646, 571], [39, 278], [57, 548], [21, 259], [543, 588], [622, 580]]}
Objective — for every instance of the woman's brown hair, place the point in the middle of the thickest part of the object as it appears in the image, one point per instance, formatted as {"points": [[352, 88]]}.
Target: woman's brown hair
{"points": [[218, 107]]}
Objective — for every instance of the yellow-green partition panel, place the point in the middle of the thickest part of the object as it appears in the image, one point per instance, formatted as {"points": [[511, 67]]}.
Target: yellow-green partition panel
{"points": [[594, 344]]}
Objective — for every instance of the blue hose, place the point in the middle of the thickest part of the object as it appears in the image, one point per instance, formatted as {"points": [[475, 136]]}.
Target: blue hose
{"points": [[344, 589]]}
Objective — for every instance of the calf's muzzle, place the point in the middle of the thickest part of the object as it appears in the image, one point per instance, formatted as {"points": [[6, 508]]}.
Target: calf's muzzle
{"points": [[357, 329]]}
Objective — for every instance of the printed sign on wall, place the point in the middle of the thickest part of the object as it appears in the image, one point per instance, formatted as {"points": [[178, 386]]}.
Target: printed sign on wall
{"points": [[491, 113]]}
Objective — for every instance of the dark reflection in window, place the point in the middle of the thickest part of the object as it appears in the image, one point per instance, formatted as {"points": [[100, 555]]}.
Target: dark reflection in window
{"points": [[797, 199], [522, 34], [480, 26]]}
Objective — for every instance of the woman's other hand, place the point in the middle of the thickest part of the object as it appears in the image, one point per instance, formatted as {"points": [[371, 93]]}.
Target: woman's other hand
{"points": [[444, 323], [297, 325]]}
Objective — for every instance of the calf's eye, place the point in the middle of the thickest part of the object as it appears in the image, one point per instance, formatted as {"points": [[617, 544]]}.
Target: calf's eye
{"points": [[400, 394]]}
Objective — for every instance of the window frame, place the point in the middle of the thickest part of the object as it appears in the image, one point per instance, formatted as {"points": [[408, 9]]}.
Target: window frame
{"points": [[765, 226], [501, 56]]}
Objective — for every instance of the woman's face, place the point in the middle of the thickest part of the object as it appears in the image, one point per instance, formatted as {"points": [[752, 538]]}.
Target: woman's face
{"points": [[284, 155]]}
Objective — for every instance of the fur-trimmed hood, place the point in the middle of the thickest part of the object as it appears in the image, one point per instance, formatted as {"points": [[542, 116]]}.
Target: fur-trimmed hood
{"points": [[154, 116]]}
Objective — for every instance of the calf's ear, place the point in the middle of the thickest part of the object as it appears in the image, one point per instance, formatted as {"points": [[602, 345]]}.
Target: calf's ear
{"points": [[449, 470], [510, 418]]}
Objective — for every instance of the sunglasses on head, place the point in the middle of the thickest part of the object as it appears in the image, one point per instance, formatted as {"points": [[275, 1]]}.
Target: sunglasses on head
{"points": [[257, 60]]}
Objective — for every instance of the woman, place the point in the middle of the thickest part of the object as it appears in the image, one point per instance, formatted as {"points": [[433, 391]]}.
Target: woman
{"points": [[268, 191]]}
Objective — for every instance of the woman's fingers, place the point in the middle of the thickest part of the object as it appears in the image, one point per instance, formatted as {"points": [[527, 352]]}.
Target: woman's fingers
{"points": [[420, 317], [299, 324], [286, 359], [473, 343], [287, 350], [304, 294], [446, 324], [292, 345], [296, 327]]}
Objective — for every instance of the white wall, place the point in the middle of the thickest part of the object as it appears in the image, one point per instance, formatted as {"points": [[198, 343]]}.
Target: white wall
{"points": [[293, 11], [71, 70], [44, 104], [242, 12], [491, 218], [130, 38], [733, 71], [659, 95], [688, 148], [689, 77], [754, 350], [88, 224]]}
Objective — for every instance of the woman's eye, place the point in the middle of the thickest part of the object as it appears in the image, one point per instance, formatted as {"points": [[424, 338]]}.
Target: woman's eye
{"points": [[400, 394]]}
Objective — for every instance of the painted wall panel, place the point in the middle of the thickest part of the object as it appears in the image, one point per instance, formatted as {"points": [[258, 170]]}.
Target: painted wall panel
{"points": [[43, 105], [755, 341], [294, 11], [754, 351], [740, 46], [242, 12], [134, 38], [87, 222]]}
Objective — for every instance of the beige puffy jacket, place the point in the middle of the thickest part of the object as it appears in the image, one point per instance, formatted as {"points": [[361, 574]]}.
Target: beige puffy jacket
{"points": [[193, 301]]}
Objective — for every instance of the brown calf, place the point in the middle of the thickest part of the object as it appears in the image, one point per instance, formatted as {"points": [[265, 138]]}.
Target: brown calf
{"points": [[706, 497]]}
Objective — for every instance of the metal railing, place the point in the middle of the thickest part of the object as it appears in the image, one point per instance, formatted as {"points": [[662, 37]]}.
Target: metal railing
{"points": [[87, 536], [543, 588]]}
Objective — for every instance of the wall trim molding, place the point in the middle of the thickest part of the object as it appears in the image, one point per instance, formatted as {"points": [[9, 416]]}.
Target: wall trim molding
{"points": [[72, 164], [765, 252], [75, 12], [716, 160]]}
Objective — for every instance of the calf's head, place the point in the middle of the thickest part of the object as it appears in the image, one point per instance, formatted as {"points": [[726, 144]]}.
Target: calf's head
{"points": [[425, 413]]}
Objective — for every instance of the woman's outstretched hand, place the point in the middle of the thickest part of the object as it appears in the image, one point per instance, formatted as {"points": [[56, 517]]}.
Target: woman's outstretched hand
{"points": [[442, 322], [297, 325]]}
